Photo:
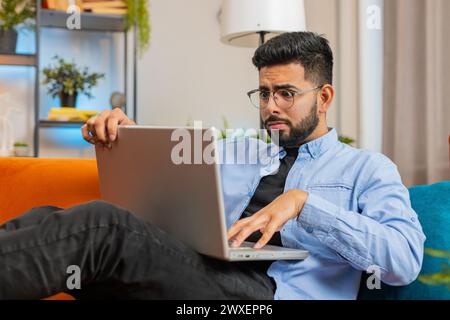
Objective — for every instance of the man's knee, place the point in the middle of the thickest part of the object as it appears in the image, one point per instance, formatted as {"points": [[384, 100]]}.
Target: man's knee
{"points": [[101, 205], [99, 210]]}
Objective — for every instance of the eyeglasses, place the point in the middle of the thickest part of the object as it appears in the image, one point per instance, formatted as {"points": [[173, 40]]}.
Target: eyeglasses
{"points": [[283, 98]]}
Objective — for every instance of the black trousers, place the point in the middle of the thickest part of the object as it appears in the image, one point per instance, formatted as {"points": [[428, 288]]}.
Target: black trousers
{"points": [[117, 256]]}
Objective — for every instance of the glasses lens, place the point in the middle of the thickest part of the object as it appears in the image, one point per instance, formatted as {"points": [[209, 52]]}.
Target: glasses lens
{"points": [[260, 98], [284, 99]]}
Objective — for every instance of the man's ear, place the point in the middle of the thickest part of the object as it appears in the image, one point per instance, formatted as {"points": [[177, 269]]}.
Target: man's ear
{"points": [[325, 96]]}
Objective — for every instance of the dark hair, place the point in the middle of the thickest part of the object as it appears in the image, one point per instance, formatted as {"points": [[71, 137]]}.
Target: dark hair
{"points": [[309, 49]]}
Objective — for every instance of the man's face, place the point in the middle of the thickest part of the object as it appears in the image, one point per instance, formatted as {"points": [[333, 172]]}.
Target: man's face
{"points": [[297, 123]]}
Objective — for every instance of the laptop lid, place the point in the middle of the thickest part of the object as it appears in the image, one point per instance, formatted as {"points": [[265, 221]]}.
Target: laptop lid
{"points": [[166, 176]]}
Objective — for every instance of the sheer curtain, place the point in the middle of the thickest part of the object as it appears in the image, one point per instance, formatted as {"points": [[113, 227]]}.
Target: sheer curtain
{"points": [[416, 121]]}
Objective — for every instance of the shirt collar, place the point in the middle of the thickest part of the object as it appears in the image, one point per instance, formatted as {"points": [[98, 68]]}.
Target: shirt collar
{"points": [[320, 145]]}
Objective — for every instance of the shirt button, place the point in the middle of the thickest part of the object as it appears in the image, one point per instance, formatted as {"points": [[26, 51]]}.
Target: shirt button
{"points": [[309, 229], [413, 219]]}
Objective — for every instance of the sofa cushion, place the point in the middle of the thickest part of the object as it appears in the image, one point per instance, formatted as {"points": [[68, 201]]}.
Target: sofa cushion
{"points": [[432, 204], [29, 182]]}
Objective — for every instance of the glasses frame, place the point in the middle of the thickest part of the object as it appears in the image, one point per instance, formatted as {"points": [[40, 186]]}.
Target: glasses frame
{"points": [[273, 93]]}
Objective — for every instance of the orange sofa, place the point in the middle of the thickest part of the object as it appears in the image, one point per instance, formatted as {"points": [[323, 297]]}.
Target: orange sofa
{"points": [[31, 182]]}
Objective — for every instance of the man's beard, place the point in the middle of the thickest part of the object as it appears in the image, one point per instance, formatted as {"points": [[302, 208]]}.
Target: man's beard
{"points": [[297, 134]]}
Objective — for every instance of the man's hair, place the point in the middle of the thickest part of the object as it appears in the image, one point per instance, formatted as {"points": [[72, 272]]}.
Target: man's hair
{"points": [[309, 49]]}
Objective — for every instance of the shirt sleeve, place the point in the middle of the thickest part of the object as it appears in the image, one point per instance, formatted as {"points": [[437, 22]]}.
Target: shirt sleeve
{"points": [[385, 232]]}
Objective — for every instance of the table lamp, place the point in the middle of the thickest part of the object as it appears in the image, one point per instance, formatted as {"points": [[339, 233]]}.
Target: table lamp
{"points": [[249, 23]]}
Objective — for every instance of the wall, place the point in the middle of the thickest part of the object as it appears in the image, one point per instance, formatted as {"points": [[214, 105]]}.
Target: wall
{"points": [[187, 73], [371, 74], [321, 17], [358, 72]]}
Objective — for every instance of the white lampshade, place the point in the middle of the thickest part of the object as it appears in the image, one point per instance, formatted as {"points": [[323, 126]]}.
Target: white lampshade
{"points": [[242, 20]]}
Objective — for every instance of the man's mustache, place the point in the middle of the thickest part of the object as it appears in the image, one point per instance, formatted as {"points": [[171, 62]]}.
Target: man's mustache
{"points": [[273, 118]]}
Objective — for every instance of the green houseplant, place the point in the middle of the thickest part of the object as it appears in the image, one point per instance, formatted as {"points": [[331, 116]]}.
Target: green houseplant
{"points": [[137, 14], [67, 80], [13, 13]]}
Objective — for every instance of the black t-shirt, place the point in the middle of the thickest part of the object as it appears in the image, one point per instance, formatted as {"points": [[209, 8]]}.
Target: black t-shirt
{"points": [[268, 189]]}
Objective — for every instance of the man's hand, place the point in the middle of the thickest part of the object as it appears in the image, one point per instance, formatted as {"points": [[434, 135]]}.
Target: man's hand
{"points": [[101, 129], [269, 219]]}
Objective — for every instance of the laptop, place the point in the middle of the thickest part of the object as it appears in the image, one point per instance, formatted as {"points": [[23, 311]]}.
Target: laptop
{"points": [[149, 173]]}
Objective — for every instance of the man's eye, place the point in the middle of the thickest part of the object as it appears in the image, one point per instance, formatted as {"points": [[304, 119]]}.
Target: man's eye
{"points": [[264, 95], [286, 93]]}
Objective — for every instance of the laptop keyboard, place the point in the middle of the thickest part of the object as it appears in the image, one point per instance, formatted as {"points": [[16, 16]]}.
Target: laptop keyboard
{"points": [[244, 246]]}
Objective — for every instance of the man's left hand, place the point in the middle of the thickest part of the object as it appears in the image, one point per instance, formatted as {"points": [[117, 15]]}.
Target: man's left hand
{"points": [[269, 219]]}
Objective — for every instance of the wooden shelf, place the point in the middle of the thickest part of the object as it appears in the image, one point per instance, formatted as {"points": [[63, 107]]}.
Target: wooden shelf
{"points": [[17, 60], [60, 124], [88, 21]]}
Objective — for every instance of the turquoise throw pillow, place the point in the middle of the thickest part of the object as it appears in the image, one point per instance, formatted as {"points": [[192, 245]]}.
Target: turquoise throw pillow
{"points": [[432, 204]]}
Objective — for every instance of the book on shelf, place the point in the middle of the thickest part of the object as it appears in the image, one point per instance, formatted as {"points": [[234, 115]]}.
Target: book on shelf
{"points": [[60, 4], [92, 1], [118, 11], [70, 114], [100, 7], [104, 4]]}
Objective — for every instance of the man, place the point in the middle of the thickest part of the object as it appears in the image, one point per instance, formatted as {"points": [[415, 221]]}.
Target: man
{"points": [[348, 207]]}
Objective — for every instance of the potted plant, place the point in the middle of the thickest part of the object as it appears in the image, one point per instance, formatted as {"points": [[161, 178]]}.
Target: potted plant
{"points": [[346, 140], [137, 14], [20, 149], [13, 13], [67, 81]]}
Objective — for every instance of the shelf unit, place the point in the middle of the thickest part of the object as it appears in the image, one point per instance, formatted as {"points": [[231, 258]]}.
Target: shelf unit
{"points": [[18, 59], [90, 23], [60, 124]]}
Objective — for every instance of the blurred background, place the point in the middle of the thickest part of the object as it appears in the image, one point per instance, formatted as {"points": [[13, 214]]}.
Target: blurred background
{"points": [[169, 62]]}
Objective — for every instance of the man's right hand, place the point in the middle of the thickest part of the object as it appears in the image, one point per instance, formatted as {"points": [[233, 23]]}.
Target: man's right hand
{"points": [[101, 129]]}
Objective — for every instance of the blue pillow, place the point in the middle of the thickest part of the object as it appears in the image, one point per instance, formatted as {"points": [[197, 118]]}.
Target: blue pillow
{"points": [[432, 204]]}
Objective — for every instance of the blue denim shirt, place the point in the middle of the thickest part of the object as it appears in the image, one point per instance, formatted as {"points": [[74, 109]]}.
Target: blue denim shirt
{"points": [[358, 214]]}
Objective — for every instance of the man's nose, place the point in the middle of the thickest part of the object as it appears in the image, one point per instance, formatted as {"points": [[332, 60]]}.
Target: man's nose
{"points": [[271, 108]]}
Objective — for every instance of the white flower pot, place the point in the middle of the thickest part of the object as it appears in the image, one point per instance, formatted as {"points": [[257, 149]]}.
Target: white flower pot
{"points": [[21, 151]]}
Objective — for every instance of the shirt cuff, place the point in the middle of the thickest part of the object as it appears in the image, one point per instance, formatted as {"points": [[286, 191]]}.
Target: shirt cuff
{"points": [[318, 215]]}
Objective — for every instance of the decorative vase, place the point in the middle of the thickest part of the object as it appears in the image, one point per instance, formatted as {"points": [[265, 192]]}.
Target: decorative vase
{"points": [[8, 41], [68, 101], [21, 151]]}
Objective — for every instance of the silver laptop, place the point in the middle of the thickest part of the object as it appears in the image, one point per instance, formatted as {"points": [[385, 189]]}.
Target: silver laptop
{"points": [[142, 173]]}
